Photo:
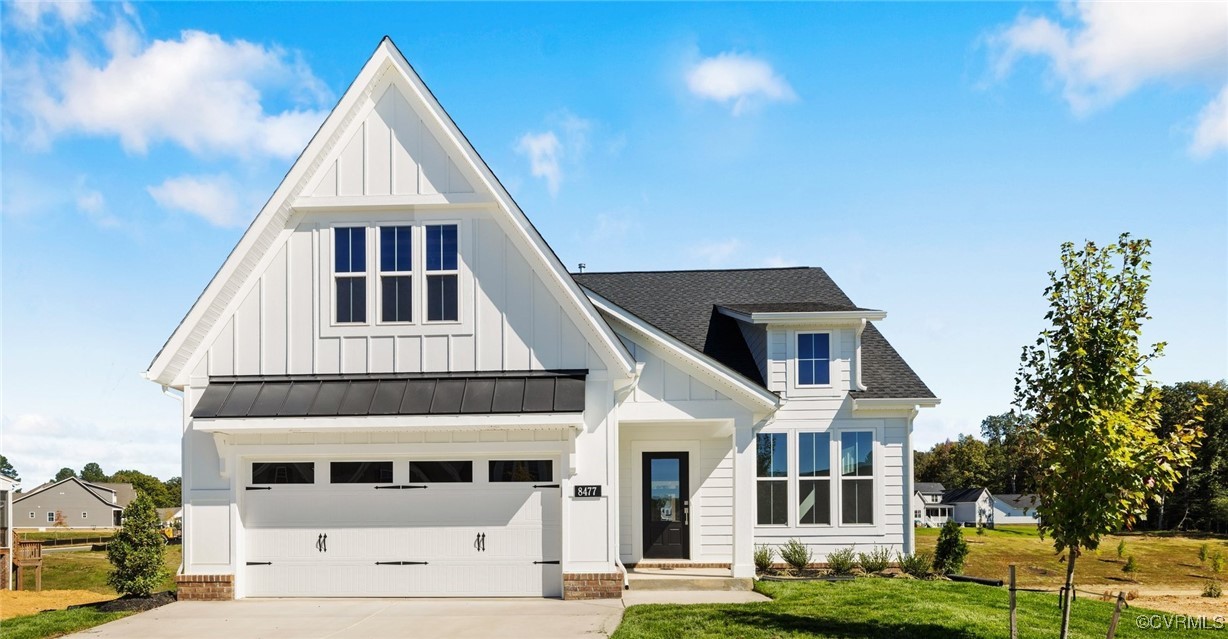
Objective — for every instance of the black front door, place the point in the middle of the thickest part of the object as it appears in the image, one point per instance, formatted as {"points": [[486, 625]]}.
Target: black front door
{"points": [[667, 506]]}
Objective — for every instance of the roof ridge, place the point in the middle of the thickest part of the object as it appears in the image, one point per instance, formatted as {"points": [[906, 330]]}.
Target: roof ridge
{"points": [[708, 270]]}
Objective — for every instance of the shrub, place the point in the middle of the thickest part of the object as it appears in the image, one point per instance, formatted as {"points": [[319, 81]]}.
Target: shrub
{"points": [[874, 561], [1213, 589], [796, 554], [841, 562], [1131, 566], [1204, 551], [1217, 562], [764, 554], [916, 565], [137, 550], [980, 530], [952, 549], [1121, 549]]}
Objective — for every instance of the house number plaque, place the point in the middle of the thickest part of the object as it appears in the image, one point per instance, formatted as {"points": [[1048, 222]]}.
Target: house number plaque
{"points": [[588, 491]]}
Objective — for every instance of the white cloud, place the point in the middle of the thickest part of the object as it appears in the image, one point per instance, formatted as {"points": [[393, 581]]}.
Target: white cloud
{"points": [[92, 203], [544, 152], [1212, 132], [28, 15], [737, 78], [717, 252], [212, 197], [1102, 51], [199, 91], [39, 445]]}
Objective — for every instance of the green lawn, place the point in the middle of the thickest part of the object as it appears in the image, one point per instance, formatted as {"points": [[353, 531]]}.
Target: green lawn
{"points": [[875, 608], [55, 623], [50, 535], [1165, 559], [88, 570]]}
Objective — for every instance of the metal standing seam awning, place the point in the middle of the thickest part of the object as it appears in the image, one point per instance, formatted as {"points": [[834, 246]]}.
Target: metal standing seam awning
{"points": [[370, 395]]}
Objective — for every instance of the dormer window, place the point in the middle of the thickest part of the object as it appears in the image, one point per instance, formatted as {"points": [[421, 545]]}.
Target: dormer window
{"points": [[813, 359]]}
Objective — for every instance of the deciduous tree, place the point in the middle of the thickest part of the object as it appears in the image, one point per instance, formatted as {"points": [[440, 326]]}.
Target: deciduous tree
{"points": [[65, 473], [92, 473]]}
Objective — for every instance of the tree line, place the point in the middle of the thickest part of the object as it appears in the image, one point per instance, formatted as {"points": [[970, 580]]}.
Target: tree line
{"points": [[1005, 459]]}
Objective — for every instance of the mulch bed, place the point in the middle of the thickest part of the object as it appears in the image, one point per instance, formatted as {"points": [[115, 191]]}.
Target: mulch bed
{"points": [[132, 604]]}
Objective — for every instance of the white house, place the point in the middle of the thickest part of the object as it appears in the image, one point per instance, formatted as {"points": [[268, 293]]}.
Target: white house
{"points": [[928, 509], [392, 387], [1015, 509], [970, 506]]}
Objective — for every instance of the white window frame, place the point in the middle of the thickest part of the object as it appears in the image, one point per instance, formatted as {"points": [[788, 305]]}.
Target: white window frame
{"points": [[795, 475], [31, 514], [797, 359], [788, 480], [365, 274], [415, 250], [427, 274], [875, 478], [85, 515], [51, 516]]}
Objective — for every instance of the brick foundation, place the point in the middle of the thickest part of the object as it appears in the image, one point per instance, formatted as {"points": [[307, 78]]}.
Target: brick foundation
{"points": [[206, 587], [593, 585]]}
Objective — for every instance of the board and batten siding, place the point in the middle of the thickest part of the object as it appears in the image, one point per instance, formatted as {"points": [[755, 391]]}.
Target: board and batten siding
{"points": [[517, 323]]}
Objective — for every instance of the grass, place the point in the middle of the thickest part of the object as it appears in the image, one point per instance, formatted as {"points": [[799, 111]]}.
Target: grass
{"points": [[89, 570], [56, 535], [875, 608], [55, 623], [1165, 559]]}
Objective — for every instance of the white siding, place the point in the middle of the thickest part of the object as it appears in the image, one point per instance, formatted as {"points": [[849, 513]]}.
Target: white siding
{"points": [[661, 381]]}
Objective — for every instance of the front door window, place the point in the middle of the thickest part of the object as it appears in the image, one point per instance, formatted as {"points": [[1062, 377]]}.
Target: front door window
{"points": [[667, 506]]}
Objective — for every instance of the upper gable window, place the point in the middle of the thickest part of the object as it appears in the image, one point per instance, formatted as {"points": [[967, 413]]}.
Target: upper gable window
{"points": [[350, 274], [396, 273], [442, 274], [813, 359]]}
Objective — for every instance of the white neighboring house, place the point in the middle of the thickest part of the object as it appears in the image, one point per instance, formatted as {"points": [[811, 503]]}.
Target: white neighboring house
{"points": [[1015, 509], [928, 509], [392, 387], [970, 506]]}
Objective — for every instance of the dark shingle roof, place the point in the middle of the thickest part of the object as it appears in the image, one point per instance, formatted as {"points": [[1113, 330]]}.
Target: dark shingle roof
{"points": [[791, 307], [1024, 502], [961, 495], [929, 487], [684, 305]]}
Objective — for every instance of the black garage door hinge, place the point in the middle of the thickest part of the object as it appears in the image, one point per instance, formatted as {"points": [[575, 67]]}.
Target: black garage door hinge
{"points": [[260, 563], [545, 485], [556, 561], [400, 563], [259, 488], [399, 487]]}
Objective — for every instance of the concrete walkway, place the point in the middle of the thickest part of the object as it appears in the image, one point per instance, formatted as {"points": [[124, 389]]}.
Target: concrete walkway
{"points": [[378, 618]]}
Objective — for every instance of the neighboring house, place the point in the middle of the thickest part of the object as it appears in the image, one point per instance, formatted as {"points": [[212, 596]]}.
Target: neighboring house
{"points": [[970, 506], [72, 503], [7, 488], [392, 387], [1015, 509], [927, 508]]}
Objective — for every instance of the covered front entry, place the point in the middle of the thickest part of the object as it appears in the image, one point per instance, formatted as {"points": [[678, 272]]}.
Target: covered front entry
{"points": [[466, 526], [667, 506]]}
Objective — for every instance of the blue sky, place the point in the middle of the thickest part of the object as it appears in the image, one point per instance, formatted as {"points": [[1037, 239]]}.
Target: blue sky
{"points": [[931, 157]]}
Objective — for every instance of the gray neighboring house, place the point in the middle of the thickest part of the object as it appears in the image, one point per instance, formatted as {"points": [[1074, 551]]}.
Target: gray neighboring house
{"points": [[72, 503], [970, 506]]}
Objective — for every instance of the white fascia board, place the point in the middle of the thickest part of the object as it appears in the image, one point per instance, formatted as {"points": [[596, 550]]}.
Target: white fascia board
{"points": [[894, 404], [591, 323], [808, 317], [540, 421], [752, 396]]}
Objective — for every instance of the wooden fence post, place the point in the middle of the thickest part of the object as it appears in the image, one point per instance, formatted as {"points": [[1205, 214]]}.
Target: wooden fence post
{"points": [[1121, 600], [1014, 621]]}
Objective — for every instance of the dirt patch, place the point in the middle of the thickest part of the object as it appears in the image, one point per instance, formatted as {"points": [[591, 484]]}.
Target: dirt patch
{"points": [[1184, 604], [15, 603]]}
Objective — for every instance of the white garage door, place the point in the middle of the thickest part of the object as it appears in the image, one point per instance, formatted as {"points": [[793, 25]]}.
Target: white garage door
{"points": [[395, 538]]}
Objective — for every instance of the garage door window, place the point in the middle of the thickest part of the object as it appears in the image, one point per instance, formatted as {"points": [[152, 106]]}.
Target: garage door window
{"points": [[510, 470], [360, 472], [441, 472], [283, 473]]}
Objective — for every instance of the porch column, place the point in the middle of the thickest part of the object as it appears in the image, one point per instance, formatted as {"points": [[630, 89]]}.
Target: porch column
{"points": [[743, 498]]}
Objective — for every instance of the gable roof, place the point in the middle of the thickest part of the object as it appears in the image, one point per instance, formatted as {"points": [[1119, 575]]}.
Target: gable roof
{"points": [[686, 305], [238, 273], [124, 492], [963, 495], [929, 487], [1022, 502], [90, 489]]}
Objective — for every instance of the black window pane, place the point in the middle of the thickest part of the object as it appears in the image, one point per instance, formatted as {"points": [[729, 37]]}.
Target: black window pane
{"points": [[857, 454], [341, 250], [772, 502], [397, 301], [283, 473], [441, 472], [857, 501], [349, 250], [521, 470], [772, 455], [448, 242], [351, 300], [360, 472], [441, 298], [394, 248], [814, 501]]}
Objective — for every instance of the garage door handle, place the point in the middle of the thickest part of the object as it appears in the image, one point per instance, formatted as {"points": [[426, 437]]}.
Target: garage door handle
{"points": [[260, 563], [545, 485], [555, 562], [259, 488], [400, 563]]}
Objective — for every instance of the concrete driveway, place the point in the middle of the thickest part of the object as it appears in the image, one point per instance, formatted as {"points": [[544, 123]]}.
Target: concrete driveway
{"points": [[380, 618]]}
